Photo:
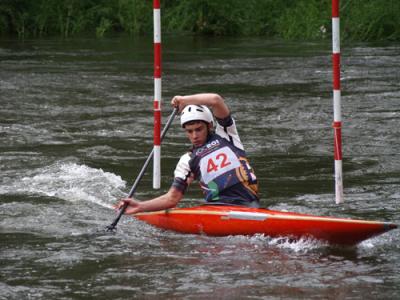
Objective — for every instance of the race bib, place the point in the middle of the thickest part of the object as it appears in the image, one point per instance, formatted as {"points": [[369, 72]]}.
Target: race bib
{"points": [[218, 163]]}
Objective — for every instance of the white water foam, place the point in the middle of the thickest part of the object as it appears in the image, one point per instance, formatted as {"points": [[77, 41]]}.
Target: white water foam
{"points": [[302, 245], [71, 182]]}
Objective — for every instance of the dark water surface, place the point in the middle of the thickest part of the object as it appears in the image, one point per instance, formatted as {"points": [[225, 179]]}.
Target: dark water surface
{"points": [[76, 126]]}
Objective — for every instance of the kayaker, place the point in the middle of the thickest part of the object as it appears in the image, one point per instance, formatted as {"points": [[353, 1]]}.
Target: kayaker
{"points": [[216, 159]]}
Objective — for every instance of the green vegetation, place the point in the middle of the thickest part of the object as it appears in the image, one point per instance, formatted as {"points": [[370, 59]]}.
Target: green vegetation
{"points": [[71, 17], [362, 20]]}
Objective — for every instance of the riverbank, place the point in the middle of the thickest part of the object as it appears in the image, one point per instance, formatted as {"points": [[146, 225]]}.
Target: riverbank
{"points": [[371, 20]]}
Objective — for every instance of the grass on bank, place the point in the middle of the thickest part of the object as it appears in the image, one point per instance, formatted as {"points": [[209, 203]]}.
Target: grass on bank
{"points": [[361, 20]]}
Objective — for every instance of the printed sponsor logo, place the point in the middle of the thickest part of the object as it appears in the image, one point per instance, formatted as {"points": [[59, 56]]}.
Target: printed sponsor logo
{"points": [[207, 147]]}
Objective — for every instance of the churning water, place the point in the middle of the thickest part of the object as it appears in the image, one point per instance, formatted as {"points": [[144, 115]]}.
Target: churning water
{"points": [[76, 127]]}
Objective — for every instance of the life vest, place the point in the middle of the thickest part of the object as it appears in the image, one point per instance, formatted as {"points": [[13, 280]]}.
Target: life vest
{"points": [[224, 172]]}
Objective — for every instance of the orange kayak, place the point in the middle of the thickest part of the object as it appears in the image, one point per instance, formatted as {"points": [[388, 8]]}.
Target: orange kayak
{"points": [[216, 220]]}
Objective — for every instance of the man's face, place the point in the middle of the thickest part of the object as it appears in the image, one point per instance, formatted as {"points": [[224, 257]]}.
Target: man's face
{"points": [[197, 132]]}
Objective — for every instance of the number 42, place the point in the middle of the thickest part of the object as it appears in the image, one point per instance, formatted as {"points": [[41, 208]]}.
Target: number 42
{"points": [[221, 161]]}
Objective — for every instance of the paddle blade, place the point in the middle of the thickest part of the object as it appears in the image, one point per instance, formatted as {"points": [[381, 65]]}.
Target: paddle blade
{"points": [[113, 226]]}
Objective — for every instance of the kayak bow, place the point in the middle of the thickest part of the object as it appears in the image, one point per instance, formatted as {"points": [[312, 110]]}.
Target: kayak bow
{"points": [[232, 220]]}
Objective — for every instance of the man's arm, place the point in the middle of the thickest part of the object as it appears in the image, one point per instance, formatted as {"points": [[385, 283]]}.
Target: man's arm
{"points": [[215, 101], [168, 200]]}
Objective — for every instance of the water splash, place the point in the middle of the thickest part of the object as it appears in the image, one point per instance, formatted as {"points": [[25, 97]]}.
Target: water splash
{"points": [[71, 182], [302, 245]]}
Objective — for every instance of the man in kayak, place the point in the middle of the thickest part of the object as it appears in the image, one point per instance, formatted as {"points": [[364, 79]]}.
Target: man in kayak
{"points": [[216, 159]]}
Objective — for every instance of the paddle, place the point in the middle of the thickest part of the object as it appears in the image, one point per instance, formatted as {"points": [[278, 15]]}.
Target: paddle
{"points": [[113, 225]]}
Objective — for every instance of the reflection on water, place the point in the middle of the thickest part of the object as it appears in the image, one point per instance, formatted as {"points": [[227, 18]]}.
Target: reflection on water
{"points": [[76, 126]]}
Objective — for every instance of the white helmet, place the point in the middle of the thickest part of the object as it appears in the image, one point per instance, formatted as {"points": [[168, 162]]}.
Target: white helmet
{"points": [[196, 113]]}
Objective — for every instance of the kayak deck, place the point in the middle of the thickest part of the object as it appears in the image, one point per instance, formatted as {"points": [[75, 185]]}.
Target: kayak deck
{"points": [[216, 220]]}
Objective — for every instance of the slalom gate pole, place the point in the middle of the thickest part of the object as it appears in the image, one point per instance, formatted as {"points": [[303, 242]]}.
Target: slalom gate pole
{"points": [[157, 95], [337, 116]]}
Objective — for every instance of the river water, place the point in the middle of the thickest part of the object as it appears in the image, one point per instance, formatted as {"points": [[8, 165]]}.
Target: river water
{"points": [[76, 127]]}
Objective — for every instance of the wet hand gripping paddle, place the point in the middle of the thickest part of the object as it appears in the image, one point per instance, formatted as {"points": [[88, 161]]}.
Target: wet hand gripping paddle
{"points": [[113, 225]]}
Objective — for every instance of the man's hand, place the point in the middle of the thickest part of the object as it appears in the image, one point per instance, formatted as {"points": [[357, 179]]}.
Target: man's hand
{"points": [[132, 208], [179, 102]]}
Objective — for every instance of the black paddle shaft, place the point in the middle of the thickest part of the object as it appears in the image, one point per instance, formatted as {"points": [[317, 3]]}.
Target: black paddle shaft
{"points": [[112, 226]]}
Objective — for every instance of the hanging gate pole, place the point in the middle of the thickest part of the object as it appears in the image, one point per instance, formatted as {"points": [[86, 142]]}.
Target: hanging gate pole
{"points": [[157, 95], [337, 117]]}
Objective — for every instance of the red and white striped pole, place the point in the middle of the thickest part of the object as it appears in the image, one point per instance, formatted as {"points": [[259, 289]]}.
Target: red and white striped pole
{"points": [[157, 95], [337, 115]]}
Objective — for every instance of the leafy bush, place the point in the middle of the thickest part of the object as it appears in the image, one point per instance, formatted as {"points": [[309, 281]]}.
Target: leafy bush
{"points": [[361, 20], [369, 20], [305, 19]]}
